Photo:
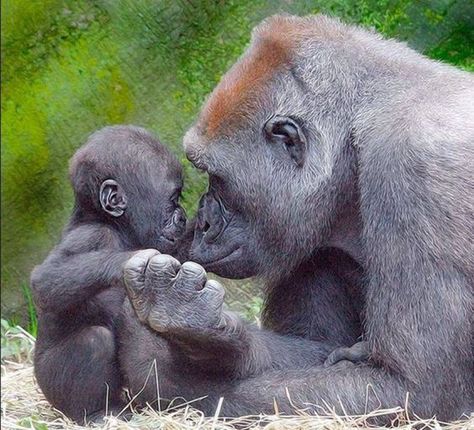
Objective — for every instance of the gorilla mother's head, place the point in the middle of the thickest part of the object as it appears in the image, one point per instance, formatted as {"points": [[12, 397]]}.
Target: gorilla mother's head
{"points": [[277, 140]]}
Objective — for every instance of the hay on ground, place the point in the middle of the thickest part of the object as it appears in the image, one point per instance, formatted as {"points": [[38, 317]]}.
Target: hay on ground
{"points": [[24, 407]]}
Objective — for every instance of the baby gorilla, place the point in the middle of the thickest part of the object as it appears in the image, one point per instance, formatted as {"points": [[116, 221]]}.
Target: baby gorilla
{"points": [[127, 187]]}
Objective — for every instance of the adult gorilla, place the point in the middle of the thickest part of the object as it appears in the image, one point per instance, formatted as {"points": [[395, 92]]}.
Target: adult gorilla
{"points": [[328, 149]]}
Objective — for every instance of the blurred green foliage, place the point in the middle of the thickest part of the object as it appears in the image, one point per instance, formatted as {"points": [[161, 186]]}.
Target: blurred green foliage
{"points": [[16, 343], [72, 66]]}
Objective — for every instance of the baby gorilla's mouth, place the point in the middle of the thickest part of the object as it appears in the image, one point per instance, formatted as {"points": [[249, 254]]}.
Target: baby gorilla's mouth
{"points": [[172, 234], [169, 238]]}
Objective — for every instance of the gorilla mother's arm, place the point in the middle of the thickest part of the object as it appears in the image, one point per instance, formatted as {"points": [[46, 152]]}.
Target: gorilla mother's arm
{"points": [[303, 319], [87, 260], [286, 371], [178, 302], [242, 350]]}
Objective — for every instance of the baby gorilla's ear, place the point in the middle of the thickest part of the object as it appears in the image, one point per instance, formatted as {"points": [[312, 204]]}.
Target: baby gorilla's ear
{"points": [[112, 198]]}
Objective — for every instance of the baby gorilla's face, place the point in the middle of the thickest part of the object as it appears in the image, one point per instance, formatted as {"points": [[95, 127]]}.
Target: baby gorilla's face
{"points": [[160, 219], [173, 218], [138, 181], [145, 203]]}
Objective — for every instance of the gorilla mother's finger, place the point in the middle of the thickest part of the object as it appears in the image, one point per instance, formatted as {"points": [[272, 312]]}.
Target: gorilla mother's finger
{"points": [[191, 275], [134, 269], [161, 271]]}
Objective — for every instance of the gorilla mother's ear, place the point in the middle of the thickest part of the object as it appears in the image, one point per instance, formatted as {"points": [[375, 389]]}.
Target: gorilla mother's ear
{"points": [[112, 198], [286, 131]]}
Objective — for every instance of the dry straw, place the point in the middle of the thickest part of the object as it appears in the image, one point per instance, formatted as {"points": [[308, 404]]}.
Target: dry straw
{"points": [[24, 407]]}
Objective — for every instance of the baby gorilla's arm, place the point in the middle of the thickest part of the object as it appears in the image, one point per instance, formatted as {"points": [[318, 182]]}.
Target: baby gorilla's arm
{"points": [[88, 260], [356, 353]]}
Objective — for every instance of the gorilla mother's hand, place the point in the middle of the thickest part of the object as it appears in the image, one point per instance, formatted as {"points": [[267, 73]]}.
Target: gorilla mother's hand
{"points": [[177, 301], [173, 297]]}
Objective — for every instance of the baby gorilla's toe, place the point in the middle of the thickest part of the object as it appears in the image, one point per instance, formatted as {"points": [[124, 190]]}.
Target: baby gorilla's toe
{"points": [[356, 353]]}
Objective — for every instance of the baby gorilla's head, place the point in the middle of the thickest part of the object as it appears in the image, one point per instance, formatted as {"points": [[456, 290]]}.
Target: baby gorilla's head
{"points": [[126, 178]]}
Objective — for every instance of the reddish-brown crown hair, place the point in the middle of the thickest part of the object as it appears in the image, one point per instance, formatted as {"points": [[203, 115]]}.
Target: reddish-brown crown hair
{"points": [[274, 44], [270, 51]]}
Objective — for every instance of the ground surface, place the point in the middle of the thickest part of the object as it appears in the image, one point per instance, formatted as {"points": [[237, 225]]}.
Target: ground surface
{"points": [[24, 407]]}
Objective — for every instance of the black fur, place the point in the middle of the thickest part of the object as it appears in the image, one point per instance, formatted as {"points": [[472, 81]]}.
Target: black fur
{"points": [[382, 188], [78, 290]]}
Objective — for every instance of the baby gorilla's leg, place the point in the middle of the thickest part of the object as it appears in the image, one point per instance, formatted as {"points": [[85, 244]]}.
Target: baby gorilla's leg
{"points": [[356, 353], [80, 375]]}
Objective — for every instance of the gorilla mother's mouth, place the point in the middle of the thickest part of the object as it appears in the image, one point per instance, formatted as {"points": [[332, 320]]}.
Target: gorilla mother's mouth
{"points": [[221, 259]]}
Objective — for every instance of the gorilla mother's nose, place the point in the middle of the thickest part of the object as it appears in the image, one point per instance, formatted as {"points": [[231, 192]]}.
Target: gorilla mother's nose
{"points": [[210, 219]]}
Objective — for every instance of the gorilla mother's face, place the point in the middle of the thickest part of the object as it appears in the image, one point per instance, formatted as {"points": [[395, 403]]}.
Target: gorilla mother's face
{"points": [[276, 154]]}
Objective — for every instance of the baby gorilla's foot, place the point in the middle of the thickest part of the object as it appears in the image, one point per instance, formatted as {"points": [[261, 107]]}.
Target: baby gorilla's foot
{"points": [[169, 296], [358, 352]]}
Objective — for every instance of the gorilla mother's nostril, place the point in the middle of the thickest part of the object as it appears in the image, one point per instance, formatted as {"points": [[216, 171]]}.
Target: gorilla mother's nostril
{"points": [[210, 219]]}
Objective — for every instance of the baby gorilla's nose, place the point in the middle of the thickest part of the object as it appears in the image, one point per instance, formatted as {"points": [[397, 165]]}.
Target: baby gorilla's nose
{"points": [[179, 219], [176, 226]]}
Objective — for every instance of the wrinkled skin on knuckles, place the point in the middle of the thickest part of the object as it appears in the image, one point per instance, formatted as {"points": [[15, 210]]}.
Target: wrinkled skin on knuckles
{"points": [[169, 296]]}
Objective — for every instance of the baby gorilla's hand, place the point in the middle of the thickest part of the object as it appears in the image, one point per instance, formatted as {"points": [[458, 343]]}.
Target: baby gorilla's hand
{"points": [[169, 296]]}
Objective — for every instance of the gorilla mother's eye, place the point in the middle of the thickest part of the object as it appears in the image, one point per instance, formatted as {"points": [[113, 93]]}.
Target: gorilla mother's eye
{"points": [[285, 130], [216, 185]]}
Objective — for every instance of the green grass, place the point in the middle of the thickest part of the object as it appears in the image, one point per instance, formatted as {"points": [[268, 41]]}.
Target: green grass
{"points": [[15, 342], [32, 325]]}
